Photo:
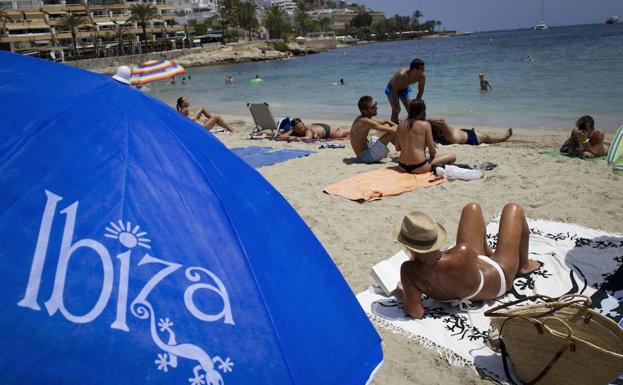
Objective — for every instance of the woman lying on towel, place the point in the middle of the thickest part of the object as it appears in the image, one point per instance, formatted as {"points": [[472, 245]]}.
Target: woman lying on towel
{"points": [[300, 131], [470, 271], [183, 107], [446, 134]]}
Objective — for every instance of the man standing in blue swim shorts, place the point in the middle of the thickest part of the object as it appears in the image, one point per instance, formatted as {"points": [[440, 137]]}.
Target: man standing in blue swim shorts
{"points": [[370, 152], [399, 86]]}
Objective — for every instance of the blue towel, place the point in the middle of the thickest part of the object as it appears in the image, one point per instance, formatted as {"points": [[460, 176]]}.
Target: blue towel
{"points": [[257, 157]]}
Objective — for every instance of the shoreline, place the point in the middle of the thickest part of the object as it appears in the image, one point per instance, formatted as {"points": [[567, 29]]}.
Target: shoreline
{"points": [[233, 53]]}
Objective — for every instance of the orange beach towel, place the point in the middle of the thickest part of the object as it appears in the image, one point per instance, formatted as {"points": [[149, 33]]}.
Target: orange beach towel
{"points": [[380, 183]]}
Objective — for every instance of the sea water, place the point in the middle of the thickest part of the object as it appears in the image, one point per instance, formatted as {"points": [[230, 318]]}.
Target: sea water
{"points": [[576, 70]]}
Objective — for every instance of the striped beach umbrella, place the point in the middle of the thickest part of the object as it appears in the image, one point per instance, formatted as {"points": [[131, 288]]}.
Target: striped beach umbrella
{"points": [[153, 70], [615, 154]]}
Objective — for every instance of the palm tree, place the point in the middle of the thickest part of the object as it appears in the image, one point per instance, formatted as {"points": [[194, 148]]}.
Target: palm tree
{"points": [[4, 17], [142, 14], [302, 19], [246, 16], [416, 18], [437, 23], [274, 21], [72, 23], [120, 33], [228, 11], [324, 23]]}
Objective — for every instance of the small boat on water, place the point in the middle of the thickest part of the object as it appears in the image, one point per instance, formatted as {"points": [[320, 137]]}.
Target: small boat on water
{"points": [[612, 20], [540, 26]]}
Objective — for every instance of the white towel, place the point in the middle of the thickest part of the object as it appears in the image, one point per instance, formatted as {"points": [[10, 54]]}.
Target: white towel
{"points": [[575, 260]]}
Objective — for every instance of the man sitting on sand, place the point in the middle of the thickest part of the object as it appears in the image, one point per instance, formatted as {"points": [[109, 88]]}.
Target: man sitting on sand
{"points": [[413, 136], [399, 86], [183, 107], [585, 141], [468, 272], [370, 152], [302, 132], [446, 134]]}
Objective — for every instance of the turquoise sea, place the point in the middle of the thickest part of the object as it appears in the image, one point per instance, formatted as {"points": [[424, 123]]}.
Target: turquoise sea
{"points": [[577, 70]]}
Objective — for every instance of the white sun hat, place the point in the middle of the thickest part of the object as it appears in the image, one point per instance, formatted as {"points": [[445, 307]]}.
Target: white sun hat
{"points": [[123, 75]]}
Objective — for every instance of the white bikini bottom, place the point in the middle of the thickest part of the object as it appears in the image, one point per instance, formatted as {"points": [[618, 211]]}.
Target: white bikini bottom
{"points": [[464, 303]]}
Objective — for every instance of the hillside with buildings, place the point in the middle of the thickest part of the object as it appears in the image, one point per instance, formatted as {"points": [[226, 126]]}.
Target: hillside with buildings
{"points": [[79, 29]]}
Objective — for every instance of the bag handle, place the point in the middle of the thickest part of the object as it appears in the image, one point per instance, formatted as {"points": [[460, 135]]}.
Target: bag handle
{"points": [[581, 300], [568, 344]]}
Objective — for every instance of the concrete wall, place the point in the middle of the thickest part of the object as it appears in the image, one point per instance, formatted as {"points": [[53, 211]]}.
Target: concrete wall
{"points": [[107, 63], [321, 44]]}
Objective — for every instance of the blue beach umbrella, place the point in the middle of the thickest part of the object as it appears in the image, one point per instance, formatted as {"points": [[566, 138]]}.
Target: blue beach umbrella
{"points": [[136, 249]]}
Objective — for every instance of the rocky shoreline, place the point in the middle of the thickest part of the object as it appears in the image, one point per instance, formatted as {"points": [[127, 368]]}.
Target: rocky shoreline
{"points": [[197, 57]]}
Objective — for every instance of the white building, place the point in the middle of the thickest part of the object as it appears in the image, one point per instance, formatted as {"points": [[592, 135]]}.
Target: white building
{"points": [[194, 10], [288, 6]]}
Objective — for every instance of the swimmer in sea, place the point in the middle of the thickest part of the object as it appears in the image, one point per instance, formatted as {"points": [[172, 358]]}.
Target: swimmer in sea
{"points": [[484, 83]]}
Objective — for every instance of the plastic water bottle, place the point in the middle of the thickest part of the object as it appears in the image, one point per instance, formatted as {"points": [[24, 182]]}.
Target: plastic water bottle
{"points": [[453, 172]]}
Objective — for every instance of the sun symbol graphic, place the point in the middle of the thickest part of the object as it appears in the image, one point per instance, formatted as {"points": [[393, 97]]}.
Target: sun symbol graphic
{"points": [[128, 236]]}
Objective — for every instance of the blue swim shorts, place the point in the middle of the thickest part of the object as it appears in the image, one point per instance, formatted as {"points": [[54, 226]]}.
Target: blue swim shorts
{"points": [[405, 95], [374, 153]]}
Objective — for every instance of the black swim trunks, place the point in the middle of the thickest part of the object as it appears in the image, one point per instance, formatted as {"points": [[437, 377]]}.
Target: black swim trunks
{"points": [[471, 136], [327, 129]]}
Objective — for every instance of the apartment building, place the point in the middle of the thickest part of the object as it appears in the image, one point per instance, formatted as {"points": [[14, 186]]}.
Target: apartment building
{"points": [[288, 6], [340, 18], [191, 11], [33, 28]]}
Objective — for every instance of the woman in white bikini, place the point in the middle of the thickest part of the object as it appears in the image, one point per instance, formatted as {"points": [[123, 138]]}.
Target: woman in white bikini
{"points": [[468, 272]]}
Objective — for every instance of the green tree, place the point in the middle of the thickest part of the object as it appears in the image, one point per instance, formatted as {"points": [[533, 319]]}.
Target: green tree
{"points": [[120, 34], [437, 23], [324, 23], [142, 14], [228, 11], [4, 18], [361, 20], [302, 20], [72, 23], [246, 17], [274, 21], [416, 18]]}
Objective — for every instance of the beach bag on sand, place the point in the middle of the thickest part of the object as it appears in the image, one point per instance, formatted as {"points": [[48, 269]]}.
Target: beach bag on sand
{"points": [[559, 341]]}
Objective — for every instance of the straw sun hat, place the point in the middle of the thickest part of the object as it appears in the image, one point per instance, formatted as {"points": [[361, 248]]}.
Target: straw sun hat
{"points": [[419, 232]]}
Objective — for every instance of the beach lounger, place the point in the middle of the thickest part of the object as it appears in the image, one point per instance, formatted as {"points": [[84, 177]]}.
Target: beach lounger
{"points": [[264, 120]]}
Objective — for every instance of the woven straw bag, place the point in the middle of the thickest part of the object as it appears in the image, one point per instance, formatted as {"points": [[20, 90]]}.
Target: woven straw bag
{"points": [[558, 342]]}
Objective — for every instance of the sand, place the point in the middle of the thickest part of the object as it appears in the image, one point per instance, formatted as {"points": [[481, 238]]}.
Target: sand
{"points": [[359, 235]]}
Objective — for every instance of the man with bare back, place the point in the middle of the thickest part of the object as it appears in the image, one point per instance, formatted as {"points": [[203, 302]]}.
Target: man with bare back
{"points": [[399, 87], [370, 152], [468, 272], [413, 137], [446, 134]]}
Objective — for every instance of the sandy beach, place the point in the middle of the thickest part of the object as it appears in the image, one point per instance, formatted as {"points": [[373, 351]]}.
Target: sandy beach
{"points": [[359, 235]]}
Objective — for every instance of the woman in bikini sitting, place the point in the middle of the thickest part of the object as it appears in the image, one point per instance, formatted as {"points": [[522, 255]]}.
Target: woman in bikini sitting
{"points": [[468, 272], [183, 107], [314, 131], [413, 136]]}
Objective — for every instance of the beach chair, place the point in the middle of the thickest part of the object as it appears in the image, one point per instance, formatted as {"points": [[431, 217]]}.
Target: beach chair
{"points": [[264, 120]]}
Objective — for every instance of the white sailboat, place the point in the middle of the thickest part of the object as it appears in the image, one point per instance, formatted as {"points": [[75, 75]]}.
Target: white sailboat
{"points": [[540, 26]]}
